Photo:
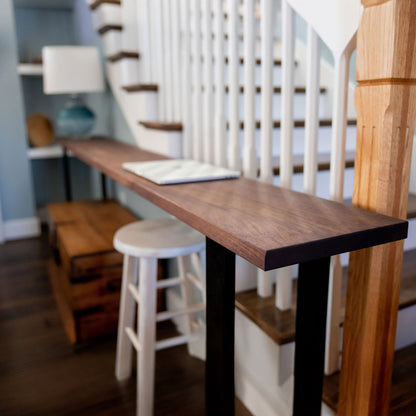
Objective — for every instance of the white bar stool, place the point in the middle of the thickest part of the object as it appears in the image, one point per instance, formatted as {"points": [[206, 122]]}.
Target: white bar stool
{"points": [[143, 243]]}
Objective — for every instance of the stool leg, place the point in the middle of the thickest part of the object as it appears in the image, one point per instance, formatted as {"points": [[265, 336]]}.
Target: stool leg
{"points": [[184, 266], [147, 336], [126, 319]]}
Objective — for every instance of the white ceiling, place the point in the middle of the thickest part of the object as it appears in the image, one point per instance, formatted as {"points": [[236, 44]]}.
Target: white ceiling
{"points": [[50, 4]]}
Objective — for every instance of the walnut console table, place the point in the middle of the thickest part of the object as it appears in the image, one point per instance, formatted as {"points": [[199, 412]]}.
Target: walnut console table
{"points": [[271, 228]]}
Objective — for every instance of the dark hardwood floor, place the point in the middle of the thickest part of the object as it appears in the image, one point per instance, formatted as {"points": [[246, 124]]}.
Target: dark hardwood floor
{"points": [[41, 374]]}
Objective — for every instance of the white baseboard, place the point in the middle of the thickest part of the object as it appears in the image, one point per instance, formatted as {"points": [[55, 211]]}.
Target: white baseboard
{"points": [[21, 228]]}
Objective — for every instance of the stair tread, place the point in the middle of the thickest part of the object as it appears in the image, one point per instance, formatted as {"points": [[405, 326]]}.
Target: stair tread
{"points": [[108, 28], [324, 162], [276, 62], [280, 325], [159, 125], [276, 124], [277, 90], [140, 87], [297, 123], [122, 55], [403, 393], [97, 3], [411, 208]]}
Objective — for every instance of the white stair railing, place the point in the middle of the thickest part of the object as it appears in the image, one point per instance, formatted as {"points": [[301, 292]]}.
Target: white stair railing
{"points": [[234, 151], [219, 113], [186, 92], [250, 154], [196, 85], [208, 152]]}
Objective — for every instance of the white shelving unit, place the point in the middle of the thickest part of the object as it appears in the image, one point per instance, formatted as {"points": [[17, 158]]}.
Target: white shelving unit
{"points": [[30, 69], [48, 152], [54, 151]]}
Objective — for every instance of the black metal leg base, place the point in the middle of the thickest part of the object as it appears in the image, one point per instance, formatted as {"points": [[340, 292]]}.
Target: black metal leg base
{"points": [[220, 278], [310, 337]]}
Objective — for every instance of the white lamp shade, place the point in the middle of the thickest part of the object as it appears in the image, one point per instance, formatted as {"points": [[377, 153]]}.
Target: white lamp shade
{"points": [[71, 70]]}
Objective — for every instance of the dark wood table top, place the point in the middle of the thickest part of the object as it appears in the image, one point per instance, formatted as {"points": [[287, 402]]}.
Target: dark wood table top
{"points": [[268, 226]]}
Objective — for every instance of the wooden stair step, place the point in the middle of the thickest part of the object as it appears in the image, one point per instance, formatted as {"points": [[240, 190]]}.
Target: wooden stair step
{"points": [[324, 162], [140, 87], [276, 62], [158, 125], [280, 325], [109, 28], [411, 207], [296, 123], [98, 3], [123, 55], [403, 393], [277, 90], [163, 126]]}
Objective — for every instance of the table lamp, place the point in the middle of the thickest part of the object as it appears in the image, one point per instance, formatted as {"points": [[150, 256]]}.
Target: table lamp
{"points": [[73, 70]]}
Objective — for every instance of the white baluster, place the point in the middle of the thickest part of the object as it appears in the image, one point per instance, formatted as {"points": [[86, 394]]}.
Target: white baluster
{"points": [[312, 112], [176, 62], [186, 76], [265, 279], [339, 131], [250, 155], [208, 84], [197, 83], [168, 67], [220, 126], [284, 275], [234, 152], [266, 167], [160, 60]]}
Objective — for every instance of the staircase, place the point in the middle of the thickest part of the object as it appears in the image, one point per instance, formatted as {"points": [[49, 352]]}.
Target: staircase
{"points": [[158, 111]]}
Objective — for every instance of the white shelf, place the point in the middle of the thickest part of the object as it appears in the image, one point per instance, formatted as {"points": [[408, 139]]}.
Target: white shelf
{"points": [[30, 69], [48, 152]]}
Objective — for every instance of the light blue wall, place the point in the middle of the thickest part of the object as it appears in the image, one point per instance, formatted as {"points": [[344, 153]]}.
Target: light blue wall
{"points": [[15, 176]]}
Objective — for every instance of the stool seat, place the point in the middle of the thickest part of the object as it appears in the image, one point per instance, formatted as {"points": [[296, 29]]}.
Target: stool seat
{"points": [[160, 238]]}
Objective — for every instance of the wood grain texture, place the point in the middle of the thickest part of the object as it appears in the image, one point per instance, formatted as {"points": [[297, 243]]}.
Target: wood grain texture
{"points": [[386, 114], [123, 55], [281, 227]]}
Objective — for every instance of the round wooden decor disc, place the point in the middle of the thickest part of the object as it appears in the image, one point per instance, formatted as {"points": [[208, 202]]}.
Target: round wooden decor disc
{"points": [[39, 130]]}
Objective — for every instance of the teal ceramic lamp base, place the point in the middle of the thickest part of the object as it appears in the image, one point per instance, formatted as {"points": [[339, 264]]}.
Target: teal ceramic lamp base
{"points": [[76, 119]]}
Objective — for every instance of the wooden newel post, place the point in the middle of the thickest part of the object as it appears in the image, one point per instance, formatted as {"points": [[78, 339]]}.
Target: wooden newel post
{"points": [[385, 100]]}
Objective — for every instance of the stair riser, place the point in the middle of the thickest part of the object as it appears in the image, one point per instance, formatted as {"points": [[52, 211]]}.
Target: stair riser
{"points": [[324, 135], [106, 14], [111, 42], [299, 103], [277, 76], [130, 71]]}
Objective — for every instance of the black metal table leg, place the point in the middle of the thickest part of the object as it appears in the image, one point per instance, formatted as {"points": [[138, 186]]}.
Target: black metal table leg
{"points": [[219, 378], [67, 177], [103, 186], [310, 337]]}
